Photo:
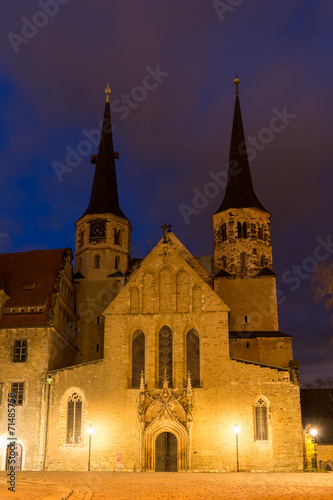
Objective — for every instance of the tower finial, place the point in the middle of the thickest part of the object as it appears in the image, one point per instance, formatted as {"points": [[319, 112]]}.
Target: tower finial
{"points": [[236, 82], [107, 92]]}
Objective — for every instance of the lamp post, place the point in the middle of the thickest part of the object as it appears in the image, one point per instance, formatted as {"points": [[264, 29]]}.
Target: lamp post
{"points": [[236, 430], [313, 433], [90, 431]]}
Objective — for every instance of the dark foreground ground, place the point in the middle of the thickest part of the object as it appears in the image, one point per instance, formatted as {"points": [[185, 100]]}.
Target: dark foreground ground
{"points": [[160, 485]]}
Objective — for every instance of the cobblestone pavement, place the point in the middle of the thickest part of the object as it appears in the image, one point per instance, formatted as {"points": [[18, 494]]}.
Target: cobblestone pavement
{"points": [[187, 486]]}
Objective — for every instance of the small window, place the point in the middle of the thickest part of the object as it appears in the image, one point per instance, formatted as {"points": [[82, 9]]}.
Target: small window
{"points": [[243, 261], [224, 262], [40, 308], [117, 236], [261, 421], [12, 309], [21, 309], [239, 229], [224, 232], [97, 347], [97, 261], [245, 319], [260, 232], [30, 309], [247, 345], [17, 388], [29, 286], [20, 351], [263, 261], [244, 230], [116, 262]]}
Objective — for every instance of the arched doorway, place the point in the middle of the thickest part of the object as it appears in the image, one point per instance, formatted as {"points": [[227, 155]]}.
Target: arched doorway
{"points": [[166, 453], [14, 456]]}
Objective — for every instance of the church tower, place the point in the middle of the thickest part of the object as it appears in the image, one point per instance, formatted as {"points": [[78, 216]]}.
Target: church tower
{"points": [[103, 246], [242, 241]]}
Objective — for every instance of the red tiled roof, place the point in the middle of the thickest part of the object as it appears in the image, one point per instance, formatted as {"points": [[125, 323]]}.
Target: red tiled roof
{"points": [[40, 267]]}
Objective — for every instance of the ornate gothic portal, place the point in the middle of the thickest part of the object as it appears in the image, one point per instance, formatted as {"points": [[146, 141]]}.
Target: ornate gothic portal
{"points": [[165, 428]]}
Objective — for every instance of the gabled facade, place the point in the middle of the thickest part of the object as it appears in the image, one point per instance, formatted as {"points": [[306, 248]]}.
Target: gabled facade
{"points": [[168, 357]]}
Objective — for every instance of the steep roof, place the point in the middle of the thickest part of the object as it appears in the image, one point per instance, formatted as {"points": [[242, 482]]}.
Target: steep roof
{"points": [[239, 191], [104, 194], [29, 281]]}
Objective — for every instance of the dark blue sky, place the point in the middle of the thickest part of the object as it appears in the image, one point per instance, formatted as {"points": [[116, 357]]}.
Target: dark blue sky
{"points": [[172, 135]]}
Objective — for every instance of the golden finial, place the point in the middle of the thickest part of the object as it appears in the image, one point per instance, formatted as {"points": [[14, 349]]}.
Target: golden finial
{"points": [[236, 82], [107, 91]]}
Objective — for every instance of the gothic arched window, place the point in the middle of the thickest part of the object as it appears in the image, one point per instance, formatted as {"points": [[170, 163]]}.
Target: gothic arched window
{"points": [[165, 355], [97, 261], [224, 232], [74, 419], [116, 262], [138, 357], [193, 357], [261, 420], [244, 230], [224, 262], [239, 229]]}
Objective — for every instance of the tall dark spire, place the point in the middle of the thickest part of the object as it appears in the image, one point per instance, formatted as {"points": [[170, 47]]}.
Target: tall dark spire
{"points": [[239, 191], [104, 194]]}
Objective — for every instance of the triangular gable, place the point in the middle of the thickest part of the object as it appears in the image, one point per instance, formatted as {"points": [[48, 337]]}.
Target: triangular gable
{"points": [[166, 274]]}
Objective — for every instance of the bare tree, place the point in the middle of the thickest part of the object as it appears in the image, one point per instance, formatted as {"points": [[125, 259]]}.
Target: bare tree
{"points": [[322, 394]]}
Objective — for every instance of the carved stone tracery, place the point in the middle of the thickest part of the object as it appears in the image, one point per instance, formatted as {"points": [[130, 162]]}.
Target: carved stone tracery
{"points": [[165, 412]]}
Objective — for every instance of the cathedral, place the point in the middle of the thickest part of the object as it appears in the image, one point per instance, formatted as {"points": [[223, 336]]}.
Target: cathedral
{"points": [[169, 363]]}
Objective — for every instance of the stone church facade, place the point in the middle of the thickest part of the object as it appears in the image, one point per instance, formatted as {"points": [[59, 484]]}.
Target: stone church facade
{"points": [[160, 356]]}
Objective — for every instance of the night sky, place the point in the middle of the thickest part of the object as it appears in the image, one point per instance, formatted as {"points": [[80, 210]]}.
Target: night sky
{"points": [[171, 67]]}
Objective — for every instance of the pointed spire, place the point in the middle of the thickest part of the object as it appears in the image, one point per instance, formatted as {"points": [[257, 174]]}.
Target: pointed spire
{"points": [[239, 191], [104, 194]]}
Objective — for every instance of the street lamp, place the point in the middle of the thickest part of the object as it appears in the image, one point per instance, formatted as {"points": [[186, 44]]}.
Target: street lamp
{"points": [[236, 430], [313, 433], [90, 431]]}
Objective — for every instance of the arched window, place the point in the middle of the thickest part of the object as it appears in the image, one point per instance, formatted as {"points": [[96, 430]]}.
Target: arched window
{"points": [[97, 261], [116, 262], [117, 236], [260, 232], [239, 229], [224, 232], [138, 357], [165, 355], [243, 261], [74, 419], [224, 262], [244, 230], [261, 420], [193, 357]]}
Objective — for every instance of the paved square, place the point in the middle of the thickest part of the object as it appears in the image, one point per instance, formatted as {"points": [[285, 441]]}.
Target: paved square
{"points": [[186, 486]]}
